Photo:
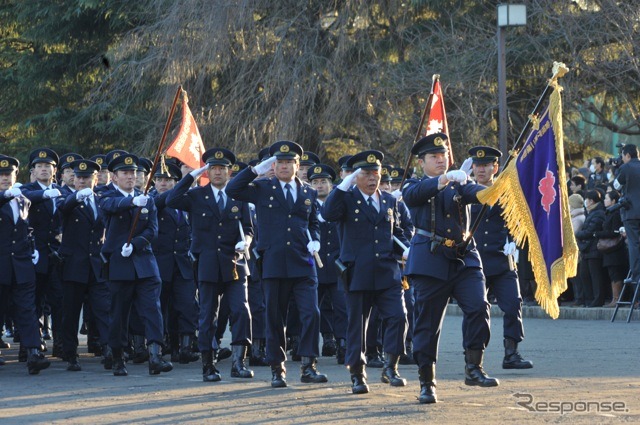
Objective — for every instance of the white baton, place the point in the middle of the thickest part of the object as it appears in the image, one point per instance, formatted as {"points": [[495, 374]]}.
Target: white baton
{"points": [[315, 254]]}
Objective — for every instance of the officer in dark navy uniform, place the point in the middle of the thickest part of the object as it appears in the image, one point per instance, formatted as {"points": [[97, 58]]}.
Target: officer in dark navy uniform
{"points": [[289, 233], [369, 224], [82, 240], [103, 174], [67, 175], [142, 175], [345, 169], [18, 279], [497, 249], [134, 278], [109, 156], [44, 217], [321, 177], [441, 266], [221, 236], [307, 160]]}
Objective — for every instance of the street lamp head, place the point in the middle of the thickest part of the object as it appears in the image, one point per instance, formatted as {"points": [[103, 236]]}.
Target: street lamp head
{"points": [[510, 15]]}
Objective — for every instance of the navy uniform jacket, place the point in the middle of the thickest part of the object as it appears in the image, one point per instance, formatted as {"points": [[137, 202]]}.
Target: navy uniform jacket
{"points": [[452, 218], [47, 225], [66, 191], [490, 238], [405, 220], [15, 247], [629, 178], [215, 235], [82, 240], [283, 234], [119, 213], [329, 251], [171, 247], [367, 238]]}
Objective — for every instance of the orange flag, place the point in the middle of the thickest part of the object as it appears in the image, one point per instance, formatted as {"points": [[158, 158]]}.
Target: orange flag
{"points": [[187, 146], [438, 117]]}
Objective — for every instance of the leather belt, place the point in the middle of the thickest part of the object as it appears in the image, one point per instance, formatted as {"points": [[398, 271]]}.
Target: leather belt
{"points": [[449, 243]]}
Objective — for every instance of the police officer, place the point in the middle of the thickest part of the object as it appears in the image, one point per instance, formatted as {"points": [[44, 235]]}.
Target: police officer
{"points": [[307, 160], [441, 266], [288, 224], [628, 180], [369, 219], [17, 256], [82, 241], [321, 177], [142, 175], [221, 234], [103, 175], [67, 175], [171, 249], [133, 272], [497, 250]]}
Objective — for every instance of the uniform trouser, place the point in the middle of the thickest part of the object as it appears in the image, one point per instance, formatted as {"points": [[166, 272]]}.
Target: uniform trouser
{"points": [[177, 300], [277, 293], [222, 322], [73, 296], [25, 320], [257, 307], [144, 294], [326, 313], [329, 292], [467, 286], [294, 327], [506, 289], [632, 228], [374, 329], [390, 304], [49, 295], [240, 317]]}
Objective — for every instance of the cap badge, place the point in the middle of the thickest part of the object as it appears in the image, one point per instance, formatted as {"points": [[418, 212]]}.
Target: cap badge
{"points": [[305, 157], [82, 166], [371, 159], [115, 155], [42, 154], [480, 154], [218, 155], [385, 171], [99, 161], [438, 141], [70, 158], [317, 170], [235, 167], [4, 163], [394, 173], [284, 148], [128, 160]]}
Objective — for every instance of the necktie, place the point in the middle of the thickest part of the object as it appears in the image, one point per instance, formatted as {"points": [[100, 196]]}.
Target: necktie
{"points": [[179, 212], [220, 201], [89, 205], [289, 196], [371, 205]]}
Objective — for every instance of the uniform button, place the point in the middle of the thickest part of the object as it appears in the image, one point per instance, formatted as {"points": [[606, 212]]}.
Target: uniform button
{"points": [[376, 241], [218, 249], [288, 243], [356, 219], [161, 218], [329, 232], [486, 232], [15, 230], [176, 241], [288, 229], [121, 216], [76, 222], [485, 244], [328, 243], [377, 255], [448, 215], [289, 215], [219, 237], [175, 252], [13, 241], [220, 224], [269, 205], [204, 214], [376, 228], [448, 230], [487, 220]]}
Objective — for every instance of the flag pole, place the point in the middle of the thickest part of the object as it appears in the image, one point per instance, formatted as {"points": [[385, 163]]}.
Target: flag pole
{"points": [[425, 114], [156, 159]]}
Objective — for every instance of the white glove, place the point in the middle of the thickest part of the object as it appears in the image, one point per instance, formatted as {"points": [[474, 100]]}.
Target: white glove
{"points": [[457, 176], [509, 248], [196, 173], [348, 181], [405, 254], [35, 257], [313, 246], [397, 193], [264, 166], [467, 166], [140, 200], [622, 231], [51, 193], [127, 249], [14, 192], [83, 194], [241, 246], [321, 218]]}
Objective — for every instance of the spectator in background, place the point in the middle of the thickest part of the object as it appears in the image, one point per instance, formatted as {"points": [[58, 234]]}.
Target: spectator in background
{"points": [[576, 209], [578, 184], [598, 175], [590, 269], [616, 262]]}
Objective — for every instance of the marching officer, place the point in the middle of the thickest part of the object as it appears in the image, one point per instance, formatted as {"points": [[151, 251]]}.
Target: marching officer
{"points": [[67, 176], [221, 234], [133, 273], [288, 225], [497, 251], [441, 266], [82, 241], [369, 220], [17, 257], [103, 175]]}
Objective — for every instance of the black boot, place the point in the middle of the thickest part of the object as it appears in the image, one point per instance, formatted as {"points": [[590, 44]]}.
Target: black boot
{"points": [[118, 363], [295, 342], [407, 359], [513, 359], [46, 327], [156, 363], [186, 355], [173, 347], [107, 355], [374, 359], [258, 356], [58, 348], [329, 346], [209, 371], [474, 374], [22, 354], [427, 375], [278, 376], [73, 362], [3, 344], [342, 350], [359, 380], [390, 373], [140, 354], [36, 361], [238, 368], [223, 353], [310, 373]]}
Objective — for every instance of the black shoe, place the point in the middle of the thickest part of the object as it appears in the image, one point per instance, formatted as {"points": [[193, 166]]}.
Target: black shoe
{"points": [[407, 359], [310, 373], [73, 364], [342, 350], [238, 367], [187, 356], [258, 356], [209, 371], [474, 374], [36, 361], [58, 349], [374, 358], [140, 353], [22, 354], [4, 344], [390, 373], [513, 359], [278, 376], [16, 336], [156, 363], [359, 380], [107, 355], [119, 368], [427, 375], [223, 353], [329, 346]]}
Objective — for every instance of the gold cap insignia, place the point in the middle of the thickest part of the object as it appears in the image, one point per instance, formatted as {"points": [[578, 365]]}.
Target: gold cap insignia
{"points": [[384, 171], [99, 161], [234, 209], [390, 211], [70, 158], [4, 163], [394, 173], [42, 154], [218, 155], [235, 167], [307, 201], [82, 166], [305, 157], [128, 160], [438, 141], [284, 148], [115, 155], [371, 159], [317, 170], [480, 154]]}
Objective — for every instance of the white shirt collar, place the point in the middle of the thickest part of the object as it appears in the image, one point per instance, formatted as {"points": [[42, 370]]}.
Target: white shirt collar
{"points": [[216, 190], [133, 192], [375, 196]]}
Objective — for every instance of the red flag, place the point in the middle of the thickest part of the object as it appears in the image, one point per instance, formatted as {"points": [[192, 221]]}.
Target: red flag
{"points": [[438, 117], [187, 146]]}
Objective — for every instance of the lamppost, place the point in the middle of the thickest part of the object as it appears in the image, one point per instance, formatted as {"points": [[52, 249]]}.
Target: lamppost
{"points": [[509, 15]]}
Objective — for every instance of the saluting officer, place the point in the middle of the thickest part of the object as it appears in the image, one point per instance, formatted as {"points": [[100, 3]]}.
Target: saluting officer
{"points": [[18, 279], [441, 267], [497, 249], [219, 246], [134, 278], [288, 224], [82, 241], [369, 223]]}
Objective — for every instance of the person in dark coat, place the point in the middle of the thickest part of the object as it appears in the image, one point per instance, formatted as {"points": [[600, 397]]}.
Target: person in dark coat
{"points": [[592, 273], [616, 262]]}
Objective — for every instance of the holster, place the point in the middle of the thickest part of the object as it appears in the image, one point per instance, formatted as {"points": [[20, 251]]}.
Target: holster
{"points": [[343, 273], [194, 264], [105, 266]]}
